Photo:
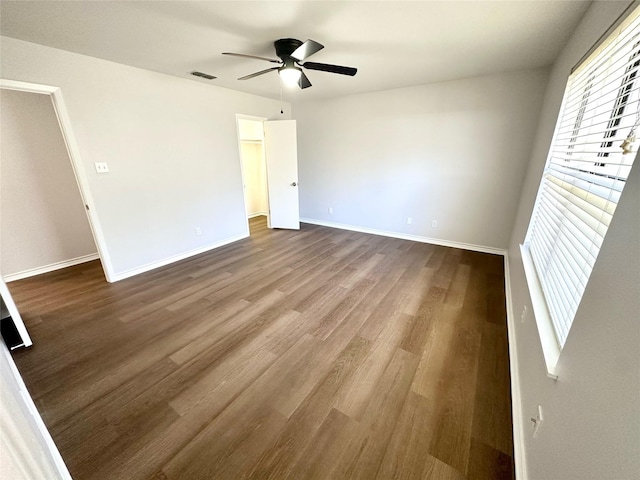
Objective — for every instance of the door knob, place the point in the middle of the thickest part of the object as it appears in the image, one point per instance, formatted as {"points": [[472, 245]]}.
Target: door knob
{"points": [[294, 184]]}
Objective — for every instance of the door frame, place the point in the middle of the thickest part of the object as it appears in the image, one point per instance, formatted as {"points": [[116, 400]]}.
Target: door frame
{"points": [[77, 166], [14, 314], [241, 116]]}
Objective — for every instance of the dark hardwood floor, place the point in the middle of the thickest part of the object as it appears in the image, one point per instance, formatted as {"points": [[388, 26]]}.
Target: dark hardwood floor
{"points": [[317, 353]]}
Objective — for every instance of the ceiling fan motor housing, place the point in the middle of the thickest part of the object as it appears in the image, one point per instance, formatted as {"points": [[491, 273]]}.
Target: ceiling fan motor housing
{"points": [[285, 47]]}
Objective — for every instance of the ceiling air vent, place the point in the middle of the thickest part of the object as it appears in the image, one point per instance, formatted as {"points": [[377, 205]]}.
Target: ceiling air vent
{"points": [[203, 75]]}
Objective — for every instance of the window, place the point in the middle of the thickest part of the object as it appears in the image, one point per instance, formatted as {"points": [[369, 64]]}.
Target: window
{"points": [[622, 99], [585, 174]]}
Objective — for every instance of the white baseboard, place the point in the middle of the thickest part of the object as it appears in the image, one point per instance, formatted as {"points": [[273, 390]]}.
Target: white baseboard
{"points": [[519, 430], [407, 236], [176, 258], [257, 214], [50, 268]]}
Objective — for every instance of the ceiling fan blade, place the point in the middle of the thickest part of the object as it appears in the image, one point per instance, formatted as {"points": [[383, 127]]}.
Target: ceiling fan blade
{"points": [[251, 56], [261, 72], [325, 67], [307, 49], [303, 81]]}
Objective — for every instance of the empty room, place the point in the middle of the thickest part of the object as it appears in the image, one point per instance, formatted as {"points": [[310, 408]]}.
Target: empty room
{"points": [[320, 239]]}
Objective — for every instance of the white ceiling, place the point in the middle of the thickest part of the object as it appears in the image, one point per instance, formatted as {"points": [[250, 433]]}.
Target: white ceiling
{"points": [[392, 43]]}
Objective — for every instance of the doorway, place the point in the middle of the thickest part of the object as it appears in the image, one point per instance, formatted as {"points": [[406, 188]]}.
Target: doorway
{"points": [[79, 180], [253, 166], [269, 166], [48, 239], [44, 226]]}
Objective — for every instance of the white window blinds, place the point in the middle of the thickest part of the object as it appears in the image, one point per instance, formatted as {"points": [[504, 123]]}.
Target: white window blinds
{"points": [[585, 172]]}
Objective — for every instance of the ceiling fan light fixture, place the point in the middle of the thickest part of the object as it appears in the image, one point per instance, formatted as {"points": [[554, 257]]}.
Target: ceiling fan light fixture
{"points": [[291, 53], [290, 75]]}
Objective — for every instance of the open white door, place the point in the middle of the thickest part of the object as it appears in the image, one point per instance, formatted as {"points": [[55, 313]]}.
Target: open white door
{"points": [[281, 151]]}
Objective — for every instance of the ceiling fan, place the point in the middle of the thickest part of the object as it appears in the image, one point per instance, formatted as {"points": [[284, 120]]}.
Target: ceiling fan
{"points": [[291, 52]]}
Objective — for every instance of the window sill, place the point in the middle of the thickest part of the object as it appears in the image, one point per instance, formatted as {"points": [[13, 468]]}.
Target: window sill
{"points": [[550, 347]]}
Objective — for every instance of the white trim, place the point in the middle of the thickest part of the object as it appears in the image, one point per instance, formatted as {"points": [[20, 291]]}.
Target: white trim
{"points": [[48, 441], [12, 277], [83, 185], [176, 258], [27, 87], [15, 314], [519, 452], [76, 162], [407, 236], [257, 214], [548, 340]]}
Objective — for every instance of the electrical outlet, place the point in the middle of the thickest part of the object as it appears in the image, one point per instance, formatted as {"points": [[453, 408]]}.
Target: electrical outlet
{"points": [[434, 223], [101, 167], [198, 231], [330, 209], [409, 220], [537, 421], [523, 317]]}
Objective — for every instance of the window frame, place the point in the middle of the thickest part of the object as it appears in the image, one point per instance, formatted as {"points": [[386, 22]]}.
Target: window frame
{"points": [[551, 341]]}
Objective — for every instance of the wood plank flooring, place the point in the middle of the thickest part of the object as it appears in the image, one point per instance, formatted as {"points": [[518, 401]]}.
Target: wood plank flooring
{"points": [[311, 354]]}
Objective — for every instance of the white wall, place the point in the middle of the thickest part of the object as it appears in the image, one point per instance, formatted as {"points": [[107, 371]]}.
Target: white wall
{"points": [[454, 152], [592, 413], [42, 217], [170, 143], [26, 448]]}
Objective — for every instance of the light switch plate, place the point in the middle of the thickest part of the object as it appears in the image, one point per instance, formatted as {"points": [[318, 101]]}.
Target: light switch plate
{"points": [[102, 167]]}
